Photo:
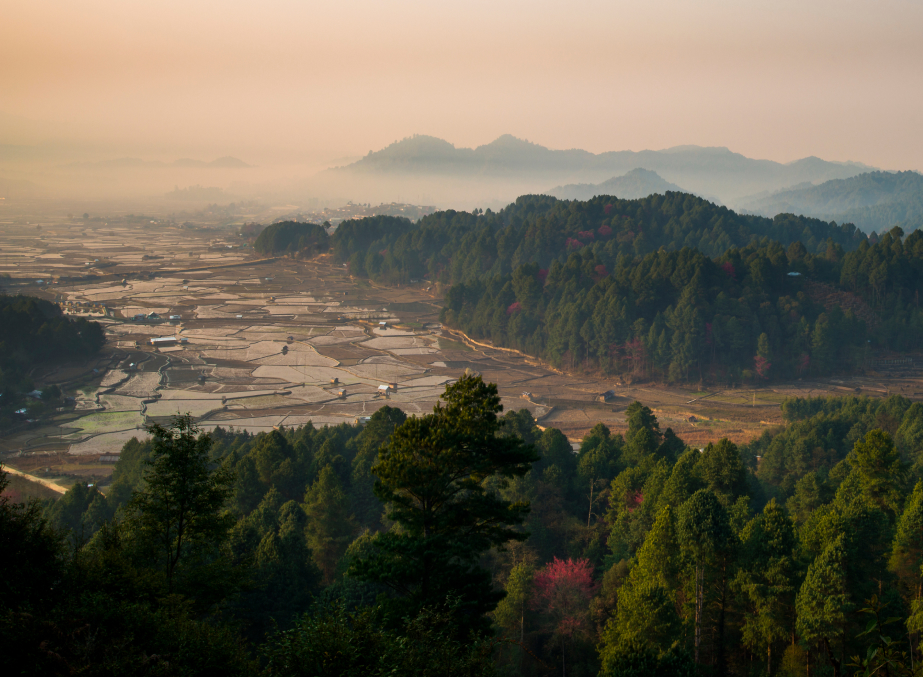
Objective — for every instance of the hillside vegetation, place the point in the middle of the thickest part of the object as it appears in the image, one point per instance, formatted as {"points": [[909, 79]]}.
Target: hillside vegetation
{"points": [[452, 246], [747, 315], [465, 543], [34, 332], [292, 237]]}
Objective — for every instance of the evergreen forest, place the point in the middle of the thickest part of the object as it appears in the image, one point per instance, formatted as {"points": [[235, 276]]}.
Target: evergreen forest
{"points": [[293, 238], [668, 287], [34, 332], [469, 541]]}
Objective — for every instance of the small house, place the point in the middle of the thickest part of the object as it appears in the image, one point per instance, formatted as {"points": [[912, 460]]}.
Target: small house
{"points": [[163, 341], [606, 396], [176, 317], [334, 381], [383, 324]]}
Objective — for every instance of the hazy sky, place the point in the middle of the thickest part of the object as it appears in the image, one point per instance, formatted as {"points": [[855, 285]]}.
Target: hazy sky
{"points": [[306, 79]]}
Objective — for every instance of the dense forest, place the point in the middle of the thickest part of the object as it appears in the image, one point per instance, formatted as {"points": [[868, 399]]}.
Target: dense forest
{"points": [[466, 542], [35, 332], [292, 237], [456, 247], [749, 315], [666, 287]]}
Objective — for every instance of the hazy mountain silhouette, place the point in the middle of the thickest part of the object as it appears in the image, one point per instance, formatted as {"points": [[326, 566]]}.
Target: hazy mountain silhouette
{"points": [[635, 184], [705, 171], [873, 201]]}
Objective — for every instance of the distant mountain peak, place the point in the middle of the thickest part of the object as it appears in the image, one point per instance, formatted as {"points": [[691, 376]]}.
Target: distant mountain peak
{"points": [[637, 183]]}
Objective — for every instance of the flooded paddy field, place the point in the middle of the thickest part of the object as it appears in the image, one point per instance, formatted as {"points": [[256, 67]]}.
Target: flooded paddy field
{"points": [[255, 344]]}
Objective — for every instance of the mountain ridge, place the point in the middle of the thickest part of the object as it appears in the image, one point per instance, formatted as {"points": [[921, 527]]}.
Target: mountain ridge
{"points": [[635, 184], [872, 201], [714, 171]]}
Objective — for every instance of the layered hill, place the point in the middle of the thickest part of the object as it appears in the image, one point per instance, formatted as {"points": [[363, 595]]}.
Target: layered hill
{"points": [[715, 172], [872, 201], [635, 184]]}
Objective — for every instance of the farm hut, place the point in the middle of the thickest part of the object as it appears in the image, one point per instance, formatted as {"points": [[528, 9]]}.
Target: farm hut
{"points": [[334, 381], [606, 396]]}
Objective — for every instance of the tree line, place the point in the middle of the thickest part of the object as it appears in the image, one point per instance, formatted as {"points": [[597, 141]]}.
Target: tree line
{"points": [[471, 542], [293, 238], [453, 247], [749, 315], [35, 332]]}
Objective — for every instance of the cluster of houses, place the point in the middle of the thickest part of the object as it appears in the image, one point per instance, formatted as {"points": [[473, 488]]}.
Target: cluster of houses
{"points": [[154, 317], [166, 341], [85, 307]]}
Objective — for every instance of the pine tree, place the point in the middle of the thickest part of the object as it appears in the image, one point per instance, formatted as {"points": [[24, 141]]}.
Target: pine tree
{"points": [[330, 527], [767, 580], [824, 603], [435, 475], [183, 499], [705, 533]]}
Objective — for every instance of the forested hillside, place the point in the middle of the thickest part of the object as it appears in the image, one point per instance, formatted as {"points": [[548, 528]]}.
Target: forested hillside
{"points": [[34, 332], [455, 247], [467, 543], [292, 237], [747, 316]]}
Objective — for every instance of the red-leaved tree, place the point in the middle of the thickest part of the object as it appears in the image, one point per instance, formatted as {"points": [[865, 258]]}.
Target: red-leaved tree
{"points": [[761, 365], [562, 593]]}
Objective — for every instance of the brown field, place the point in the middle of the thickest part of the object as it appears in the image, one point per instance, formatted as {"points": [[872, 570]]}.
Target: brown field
{"points": [[261, 353]]}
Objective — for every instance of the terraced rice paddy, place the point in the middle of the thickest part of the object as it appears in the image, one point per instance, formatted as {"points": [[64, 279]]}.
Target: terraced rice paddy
{"points": [[305, 345]]}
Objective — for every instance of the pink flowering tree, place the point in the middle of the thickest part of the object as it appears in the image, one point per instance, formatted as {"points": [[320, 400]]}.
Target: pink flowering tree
{"points": [[761, 365], [604, 231], [513, 308], [607, 209], [571, 243], [562, 593]]}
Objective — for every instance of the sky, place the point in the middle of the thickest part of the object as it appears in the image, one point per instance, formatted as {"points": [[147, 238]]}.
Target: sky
{"points": [[317, 81]]}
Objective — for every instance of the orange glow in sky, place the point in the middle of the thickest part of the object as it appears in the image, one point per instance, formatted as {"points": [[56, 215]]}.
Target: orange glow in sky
{"points": [[776, 79]]}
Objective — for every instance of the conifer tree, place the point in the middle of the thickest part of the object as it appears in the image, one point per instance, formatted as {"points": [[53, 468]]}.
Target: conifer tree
{"points": [[435, 476], [330, 526]]}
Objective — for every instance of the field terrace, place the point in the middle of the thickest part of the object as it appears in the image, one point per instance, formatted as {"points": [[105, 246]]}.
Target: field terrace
{"points": [[264, 340]]}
